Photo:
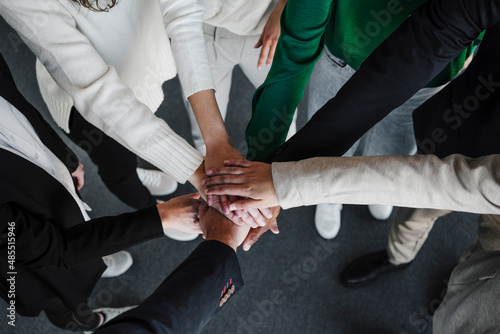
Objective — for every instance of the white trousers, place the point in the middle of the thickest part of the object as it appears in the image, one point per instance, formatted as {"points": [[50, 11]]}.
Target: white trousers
{"points": [[225, 50]]}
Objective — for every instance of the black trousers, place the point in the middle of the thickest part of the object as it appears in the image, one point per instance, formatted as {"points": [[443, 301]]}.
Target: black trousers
{"points": [[83, 319], [116, 164]]}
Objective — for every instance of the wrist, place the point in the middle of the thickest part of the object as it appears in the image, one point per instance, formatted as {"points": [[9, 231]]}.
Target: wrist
{"points": [[196, 178], [217, 138], [164, 215], [231, 243]]}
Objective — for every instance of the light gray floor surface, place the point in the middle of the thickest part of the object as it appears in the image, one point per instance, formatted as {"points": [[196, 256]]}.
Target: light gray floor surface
{"points": [[297, 265]]}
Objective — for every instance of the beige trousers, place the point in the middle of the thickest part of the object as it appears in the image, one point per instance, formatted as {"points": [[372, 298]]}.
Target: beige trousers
{"points": [[409, 231], [411, 227], [471, 301]]}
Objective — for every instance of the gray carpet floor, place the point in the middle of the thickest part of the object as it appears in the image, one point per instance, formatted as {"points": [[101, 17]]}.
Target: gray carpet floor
{"points": [[292, 279]]}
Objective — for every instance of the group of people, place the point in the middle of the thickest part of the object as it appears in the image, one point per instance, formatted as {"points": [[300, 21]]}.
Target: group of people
{"points": [[386, 79]]}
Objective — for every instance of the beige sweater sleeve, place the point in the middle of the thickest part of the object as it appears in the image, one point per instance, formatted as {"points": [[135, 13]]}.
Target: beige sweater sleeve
{"points": [[455, 183]]}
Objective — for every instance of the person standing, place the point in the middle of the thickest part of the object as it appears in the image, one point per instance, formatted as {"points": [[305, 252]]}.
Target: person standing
{"points": [[339, 37], [233, 35], [100, 70], [57, 257]]}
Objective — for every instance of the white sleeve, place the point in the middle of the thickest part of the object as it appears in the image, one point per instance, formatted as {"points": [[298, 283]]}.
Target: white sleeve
{"points": [[183, 23], [99, 94], [454, 183]]}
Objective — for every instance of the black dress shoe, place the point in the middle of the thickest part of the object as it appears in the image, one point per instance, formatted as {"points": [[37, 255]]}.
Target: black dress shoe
{"points": [[367, 268]]}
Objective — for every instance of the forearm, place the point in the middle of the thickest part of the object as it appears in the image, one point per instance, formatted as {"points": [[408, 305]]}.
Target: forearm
{"points": [[405, 62], [275, 101], [455, 183], [196, 285], [280, 6], [183, 23], [209, 118], [40, 243], [98, 92], [103, 236]]}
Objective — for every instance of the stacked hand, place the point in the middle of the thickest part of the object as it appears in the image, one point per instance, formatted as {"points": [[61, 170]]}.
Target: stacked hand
{"points": [[217, 227], [250, 187], [181, 213], [249, 179], [216, 155]]}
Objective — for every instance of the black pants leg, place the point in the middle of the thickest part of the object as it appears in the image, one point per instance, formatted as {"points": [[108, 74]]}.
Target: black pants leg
{"points": [[116, 164], [83, 319]]}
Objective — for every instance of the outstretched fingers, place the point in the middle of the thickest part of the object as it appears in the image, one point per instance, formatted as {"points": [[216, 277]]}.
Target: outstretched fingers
{"points": [[223, 179]]}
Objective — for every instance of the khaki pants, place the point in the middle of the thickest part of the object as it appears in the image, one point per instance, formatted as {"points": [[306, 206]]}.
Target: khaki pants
{"points": [[411, 227], [409, 231], [471, 301]]}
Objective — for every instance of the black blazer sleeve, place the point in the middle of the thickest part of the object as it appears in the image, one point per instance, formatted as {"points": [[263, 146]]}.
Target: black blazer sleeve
{"points": [[39, 243], [405, 62], [188, 298]]}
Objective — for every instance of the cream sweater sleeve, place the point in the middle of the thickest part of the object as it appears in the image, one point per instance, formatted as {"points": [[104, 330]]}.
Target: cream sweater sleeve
{"points": [[455, 183], [183, 23], [98, 93]]}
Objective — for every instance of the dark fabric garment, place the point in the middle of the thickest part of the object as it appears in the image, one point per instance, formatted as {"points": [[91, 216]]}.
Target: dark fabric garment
{"points": [[116, 165], [8, 91], [405, 62], [32, 189], [39, 243], [465, 116], [60, 316], [188, 298]]}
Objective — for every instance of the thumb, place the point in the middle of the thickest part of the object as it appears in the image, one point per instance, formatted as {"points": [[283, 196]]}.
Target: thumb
{"points": [[193, 195], [274, 227], [252, 237]]}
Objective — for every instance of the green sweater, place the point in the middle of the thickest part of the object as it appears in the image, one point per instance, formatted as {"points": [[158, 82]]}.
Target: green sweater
{"points": [[350, 29]]}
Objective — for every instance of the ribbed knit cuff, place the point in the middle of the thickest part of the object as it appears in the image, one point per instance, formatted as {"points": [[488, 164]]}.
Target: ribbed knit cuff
{"points": [[172, 154]]}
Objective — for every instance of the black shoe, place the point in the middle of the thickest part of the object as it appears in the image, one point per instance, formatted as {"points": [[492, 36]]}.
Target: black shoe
{"points": [[368, 268]]}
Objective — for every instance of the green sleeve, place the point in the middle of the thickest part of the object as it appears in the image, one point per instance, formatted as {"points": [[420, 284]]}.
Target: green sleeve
{"points": [[303, 25]]}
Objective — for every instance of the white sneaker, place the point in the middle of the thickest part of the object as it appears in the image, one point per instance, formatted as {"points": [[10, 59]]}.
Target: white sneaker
{"points": [[178, 235], [157, 182], [117, 263], [110, 313], [380, 212], [327, 219]]}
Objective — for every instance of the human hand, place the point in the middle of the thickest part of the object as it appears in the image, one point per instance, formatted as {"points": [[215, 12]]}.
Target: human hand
{"points": [[217, 227], [252, 180], [269, 37], [255, 233], [181, 213], [216, 154], [79, 176]]}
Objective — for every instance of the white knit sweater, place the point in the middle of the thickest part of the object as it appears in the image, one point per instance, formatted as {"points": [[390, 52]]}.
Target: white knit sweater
{"points": [[111, 66], [242, 17]]}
